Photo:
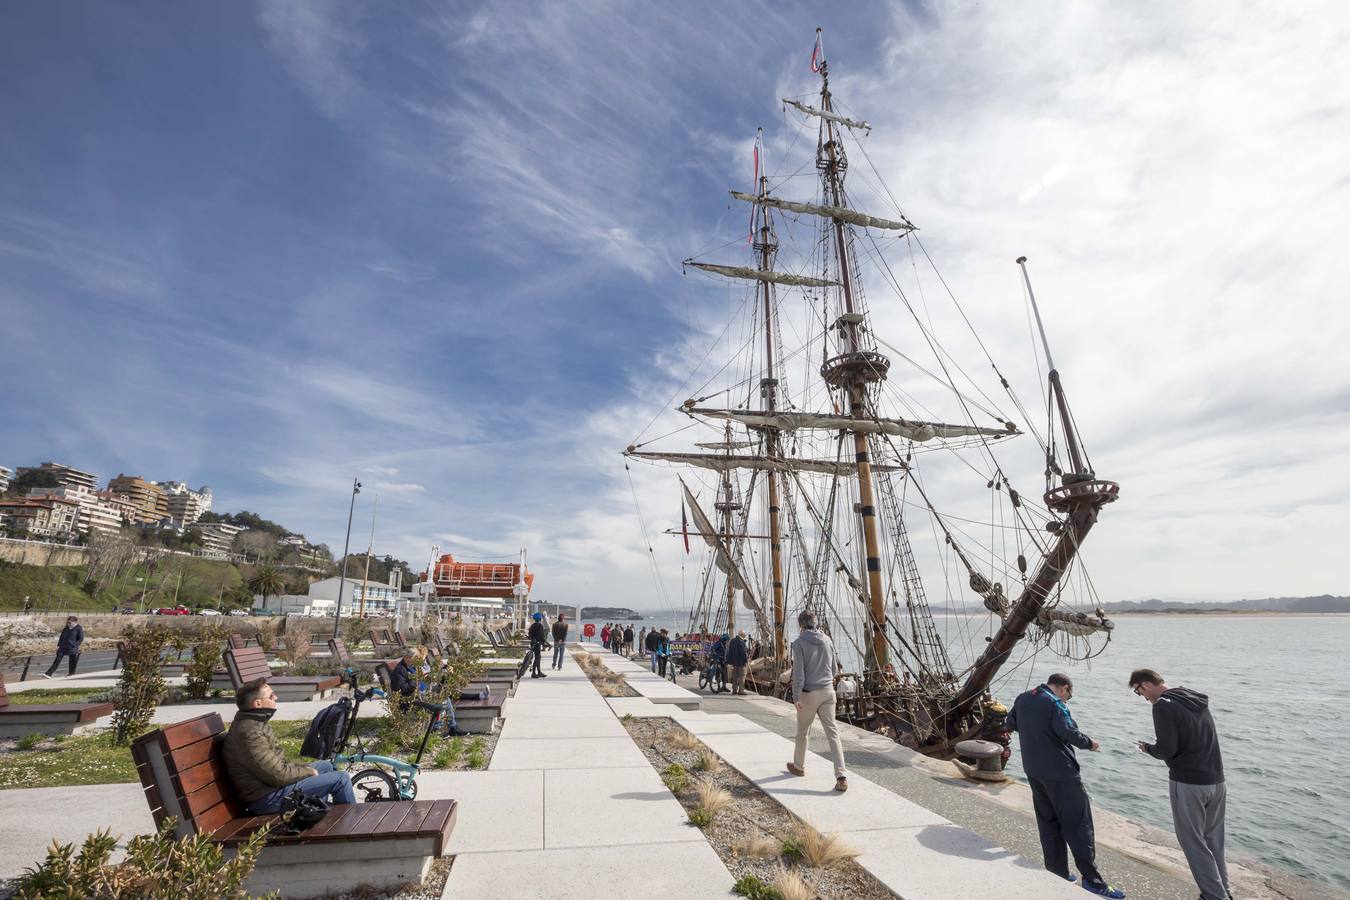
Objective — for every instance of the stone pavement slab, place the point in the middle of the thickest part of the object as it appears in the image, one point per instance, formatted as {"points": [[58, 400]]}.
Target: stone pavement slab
{"points": [[541, 727], [31, 818], [686, 871], [498, 810], [579, 753], [617, 806]]}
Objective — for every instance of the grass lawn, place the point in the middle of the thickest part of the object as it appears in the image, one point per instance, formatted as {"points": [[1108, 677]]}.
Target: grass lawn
{"points": [[54, 695], [92, 759]]}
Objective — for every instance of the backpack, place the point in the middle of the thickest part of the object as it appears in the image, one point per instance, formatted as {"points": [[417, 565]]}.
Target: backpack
{"points": [[326, 730], [299, 812]]}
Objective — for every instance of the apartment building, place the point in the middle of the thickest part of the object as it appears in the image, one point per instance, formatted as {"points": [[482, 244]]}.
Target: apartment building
{"points": [[151, 502], [217, 537], [98, 511], [65, 475], [184, 504], [43, 517], [6, 476]]}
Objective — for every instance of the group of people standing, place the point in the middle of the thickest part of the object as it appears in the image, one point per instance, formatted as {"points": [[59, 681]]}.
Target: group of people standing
{"points": [[1186, 740], [618, 638]]}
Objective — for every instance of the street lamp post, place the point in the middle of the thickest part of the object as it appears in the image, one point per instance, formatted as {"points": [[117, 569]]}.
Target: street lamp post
{"points": [[342, 572]]}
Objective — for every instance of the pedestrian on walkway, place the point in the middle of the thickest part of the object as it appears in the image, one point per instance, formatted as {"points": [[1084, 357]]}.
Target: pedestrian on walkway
{"points": [[663, 650], [1187, 741], [628, 641], [642, 640], [604, 636], [1048, 734], [538, 635], [68, 645], [813, 693], [559, 641], [738, 655], [653, 645]]}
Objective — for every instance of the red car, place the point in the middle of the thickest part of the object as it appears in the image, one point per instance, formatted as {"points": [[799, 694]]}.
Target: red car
{"points": [[173, 611]]}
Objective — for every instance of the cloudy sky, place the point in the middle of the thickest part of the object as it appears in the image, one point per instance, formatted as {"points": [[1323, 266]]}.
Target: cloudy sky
{"points": [[272, 247]]}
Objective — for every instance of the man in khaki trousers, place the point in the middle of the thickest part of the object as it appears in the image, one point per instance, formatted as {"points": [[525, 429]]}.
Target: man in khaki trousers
{"points": [[813, 692]]}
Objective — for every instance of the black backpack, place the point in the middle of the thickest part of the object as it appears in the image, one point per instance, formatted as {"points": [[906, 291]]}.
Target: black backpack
{"points": [[326, 730], [299, 812]]}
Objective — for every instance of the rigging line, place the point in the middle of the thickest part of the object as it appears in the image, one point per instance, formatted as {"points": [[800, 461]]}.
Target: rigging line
{"points": [[685, 383], [669, 433], [651, 552], [995, 414]]}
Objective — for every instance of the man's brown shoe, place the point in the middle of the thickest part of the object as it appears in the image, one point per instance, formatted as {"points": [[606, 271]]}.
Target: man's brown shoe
{"points": [[792, 767], [841, 784]]}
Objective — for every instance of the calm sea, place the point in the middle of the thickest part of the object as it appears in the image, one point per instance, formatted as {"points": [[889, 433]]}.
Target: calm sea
{"points": [[1277, 691]]}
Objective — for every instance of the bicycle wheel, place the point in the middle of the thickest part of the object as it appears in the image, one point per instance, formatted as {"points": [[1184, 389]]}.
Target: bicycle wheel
{"points": [[374, 785], [702, 679]]}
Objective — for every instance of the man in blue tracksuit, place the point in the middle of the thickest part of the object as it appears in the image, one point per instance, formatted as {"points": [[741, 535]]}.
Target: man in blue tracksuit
{"points": [[1048, 734]]}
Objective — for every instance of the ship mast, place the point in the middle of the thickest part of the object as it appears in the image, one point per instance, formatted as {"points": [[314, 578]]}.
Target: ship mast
{"points": [[768, 386], [853, 370], [727, 505]]}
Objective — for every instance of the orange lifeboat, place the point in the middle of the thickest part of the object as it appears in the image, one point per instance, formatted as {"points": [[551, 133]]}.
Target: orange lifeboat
{"points": [[454, 579]]}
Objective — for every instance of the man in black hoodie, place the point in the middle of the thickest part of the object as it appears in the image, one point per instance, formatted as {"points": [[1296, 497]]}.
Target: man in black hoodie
{"points": [[538, 635], [1187, 741]]}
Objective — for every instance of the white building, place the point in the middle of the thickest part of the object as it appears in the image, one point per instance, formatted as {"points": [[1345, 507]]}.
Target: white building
{"points": [[6, 475], [378, 597], [217, 537], [98, 511], [186, 505]]}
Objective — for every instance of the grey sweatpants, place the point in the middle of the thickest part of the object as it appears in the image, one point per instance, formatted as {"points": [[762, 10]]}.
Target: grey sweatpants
{"points": [[1197, 815]]}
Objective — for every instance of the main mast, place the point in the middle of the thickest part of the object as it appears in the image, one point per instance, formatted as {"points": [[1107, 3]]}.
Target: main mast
{"points": [[853, 371]]}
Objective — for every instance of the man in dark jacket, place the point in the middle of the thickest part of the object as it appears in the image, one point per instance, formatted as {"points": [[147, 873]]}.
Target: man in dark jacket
{"points": [[628, 640], [538, 635], [259, 771], [68, 645], [559, 641], [738, 654], [653, 646], [1048, 734], [1188, 742]]}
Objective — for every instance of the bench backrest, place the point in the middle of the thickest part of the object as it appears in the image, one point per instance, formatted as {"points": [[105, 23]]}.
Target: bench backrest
{"points": [[4, 695], [338, 648], [245, 664], [182, 771], [238, 641], [380, 636], [398, 637]]}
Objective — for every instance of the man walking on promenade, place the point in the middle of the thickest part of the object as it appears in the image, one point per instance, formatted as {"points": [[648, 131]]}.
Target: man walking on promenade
{"points": [[813, 693], [1188, 742], [68, 644], [559, 641], [538, 635], [738, 654], [628, 641], [653, 647], [1048, 734]]}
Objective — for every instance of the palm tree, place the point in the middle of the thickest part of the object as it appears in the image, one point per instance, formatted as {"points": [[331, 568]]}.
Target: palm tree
{"points": [[268, 582]]}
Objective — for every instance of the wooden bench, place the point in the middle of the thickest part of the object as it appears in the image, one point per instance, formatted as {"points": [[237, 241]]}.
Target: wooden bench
{"points": [[17, 720], [338, 649], [250, 664], [384, 642], [382, 844], [474, 715]]}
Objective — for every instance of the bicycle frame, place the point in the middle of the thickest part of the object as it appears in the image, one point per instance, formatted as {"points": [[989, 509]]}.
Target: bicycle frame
{"points": [[405, 772]]}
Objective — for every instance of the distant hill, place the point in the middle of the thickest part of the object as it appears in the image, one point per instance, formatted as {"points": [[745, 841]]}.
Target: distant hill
{"points": [[1324, 603], [611, 613]]}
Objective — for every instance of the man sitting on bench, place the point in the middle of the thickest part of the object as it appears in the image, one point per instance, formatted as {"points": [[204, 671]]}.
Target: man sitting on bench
{"points": [[259, 771], [404, 685]]}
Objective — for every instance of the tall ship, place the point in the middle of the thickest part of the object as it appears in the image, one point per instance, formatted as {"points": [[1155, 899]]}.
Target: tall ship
{"points": [[860, 453]]}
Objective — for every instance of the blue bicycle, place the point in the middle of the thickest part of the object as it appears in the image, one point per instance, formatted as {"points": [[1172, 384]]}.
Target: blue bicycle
{"points": [[378, 783]]}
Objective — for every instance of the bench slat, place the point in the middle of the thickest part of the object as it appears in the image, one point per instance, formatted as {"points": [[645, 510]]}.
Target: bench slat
{"points": [[183, 733]]}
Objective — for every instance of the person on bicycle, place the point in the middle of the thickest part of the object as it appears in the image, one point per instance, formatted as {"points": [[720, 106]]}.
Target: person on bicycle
{"points": [[538, 635], [258, 771]]}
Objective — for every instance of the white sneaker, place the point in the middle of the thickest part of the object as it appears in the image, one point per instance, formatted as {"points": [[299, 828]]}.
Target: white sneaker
{"points": [[45, 675]]}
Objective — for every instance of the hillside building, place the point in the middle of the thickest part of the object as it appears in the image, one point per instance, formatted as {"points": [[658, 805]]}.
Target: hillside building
{"points": [[184, 504], [149, 498], [65, 475]]}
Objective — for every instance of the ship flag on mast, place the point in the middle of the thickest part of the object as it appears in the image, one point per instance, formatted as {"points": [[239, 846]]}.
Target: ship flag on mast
{"points": [[817, 53]]}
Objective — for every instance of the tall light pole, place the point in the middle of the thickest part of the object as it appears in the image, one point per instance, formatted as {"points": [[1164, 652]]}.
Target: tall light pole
{"points": [[342, 572]]}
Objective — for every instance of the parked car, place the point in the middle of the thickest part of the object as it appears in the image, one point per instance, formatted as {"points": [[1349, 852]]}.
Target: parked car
{"points": [[239, 612], [179, 610], [209, 612], [128, 610]]}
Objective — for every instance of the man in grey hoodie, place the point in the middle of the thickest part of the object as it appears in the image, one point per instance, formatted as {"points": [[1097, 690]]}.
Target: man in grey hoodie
{"points": [[1188, 742], [813, 693]]}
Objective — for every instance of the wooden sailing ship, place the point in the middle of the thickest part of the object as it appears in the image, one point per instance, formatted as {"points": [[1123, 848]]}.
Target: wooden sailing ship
{"points": [[815, 462]]}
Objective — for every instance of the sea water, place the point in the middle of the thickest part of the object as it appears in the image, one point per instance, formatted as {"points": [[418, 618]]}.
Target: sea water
{"points": [[1277, 687]]}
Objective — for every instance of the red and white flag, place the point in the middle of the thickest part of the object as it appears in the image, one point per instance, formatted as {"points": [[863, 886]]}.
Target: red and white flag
{"points": [[817, 53], [759, 139]]}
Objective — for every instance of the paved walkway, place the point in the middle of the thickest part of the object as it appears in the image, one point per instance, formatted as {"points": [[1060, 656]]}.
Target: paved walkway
{"points": [[567, 799]]}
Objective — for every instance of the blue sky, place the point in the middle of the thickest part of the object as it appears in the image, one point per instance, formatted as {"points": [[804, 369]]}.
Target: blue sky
{"points": [[436, 246]]}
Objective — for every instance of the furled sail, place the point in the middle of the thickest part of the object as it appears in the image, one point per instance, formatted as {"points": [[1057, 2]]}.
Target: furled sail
{"points": [[833, 117], [763, 275], [841, 213], [724, 445], [723, 462], [792, 421], [724, 560]]}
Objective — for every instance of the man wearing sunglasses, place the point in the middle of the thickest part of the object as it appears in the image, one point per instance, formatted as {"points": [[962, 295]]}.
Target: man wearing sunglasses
{"points": [[1188, 742], [1047, 734]]}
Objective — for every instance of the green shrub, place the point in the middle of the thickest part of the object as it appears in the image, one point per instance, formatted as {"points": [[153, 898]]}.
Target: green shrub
{"points": [[675, 777], [29, 741], [207, 656], [267, 633], [355, 631], [792, 849], [700, 818], [477, 759], [157, 867], [751, 886], [142, 685]]}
